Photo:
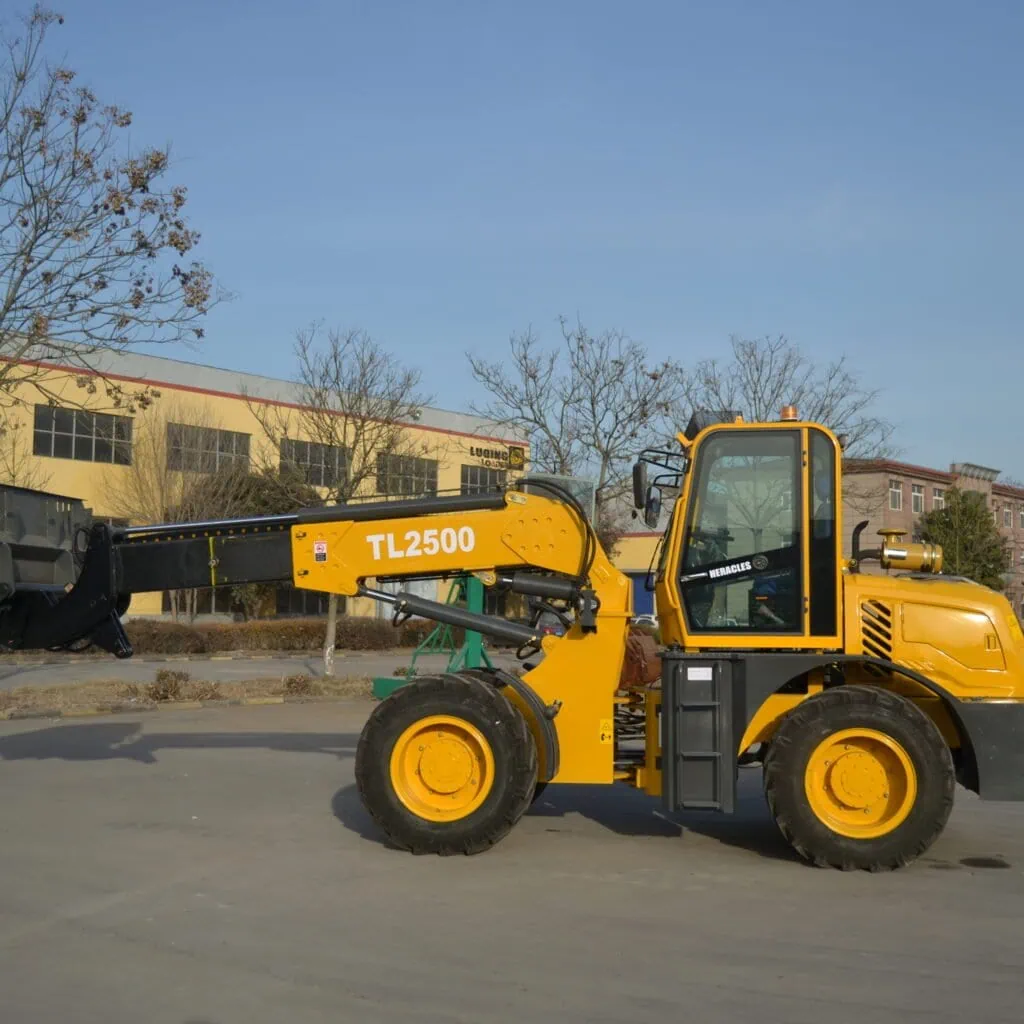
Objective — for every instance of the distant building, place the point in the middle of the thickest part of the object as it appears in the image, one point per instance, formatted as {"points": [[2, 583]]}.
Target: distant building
{"points": [[206, 420], [894, 495]]}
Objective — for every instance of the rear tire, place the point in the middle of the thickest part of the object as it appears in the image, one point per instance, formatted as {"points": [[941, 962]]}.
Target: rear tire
{"points": [[446, 765], [857, 777]]}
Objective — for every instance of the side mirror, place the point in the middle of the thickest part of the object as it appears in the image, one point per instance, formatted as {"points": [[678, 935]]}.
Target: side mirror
{"points": [[652, 507], [640, 485]]}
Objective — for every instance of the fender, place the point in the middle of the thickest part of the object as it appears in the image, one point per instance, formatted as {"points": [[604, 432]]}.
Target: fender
{"points": [[992, 732], [538, 717]]}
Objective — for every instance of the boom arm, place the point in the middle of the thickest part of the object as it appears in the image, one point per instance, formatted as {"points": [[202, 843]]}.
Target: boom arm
{"points": [[333, 549]]}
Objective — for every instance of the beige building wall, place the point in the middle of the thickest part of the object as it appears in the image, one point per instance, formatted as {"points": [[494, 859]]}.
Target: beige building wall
{"points": [[455, 451]]}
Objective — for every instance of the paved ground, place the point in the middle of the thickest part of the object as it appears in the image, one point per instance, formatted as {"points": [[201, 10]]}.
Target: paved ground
{"points": [[215, 867], [213, 669]]}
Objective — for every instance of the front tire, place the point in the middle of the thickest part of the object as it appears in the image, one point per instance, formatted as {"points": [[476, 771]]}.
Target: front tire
{"points": [[446, 765], [857, 777]]}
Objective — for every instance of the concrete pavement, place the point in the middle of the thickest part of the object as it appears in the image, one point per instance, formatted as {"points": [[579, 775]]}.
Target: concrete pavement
{"points": [[216, 867]]}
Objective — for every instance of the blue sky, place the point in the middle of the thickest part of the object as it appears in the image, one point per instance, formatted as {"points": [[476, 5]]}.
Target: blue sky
{"points": [[444, 173]]}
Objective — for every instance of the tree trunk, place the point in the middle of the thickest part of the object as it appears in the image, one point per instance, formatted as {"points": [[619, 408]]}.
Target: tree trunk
{"points": [[332, 621]]}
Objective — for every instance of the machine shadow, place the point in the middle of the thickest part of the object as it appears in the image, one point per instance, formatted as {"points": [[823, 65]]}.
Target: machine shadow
{"points": [[104, 741], [347, 808], [628, 812], [622, 811]]}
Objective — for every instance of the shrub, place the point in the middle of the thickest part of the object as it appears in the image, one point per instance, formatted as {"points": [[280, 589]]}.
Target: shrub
{"points": [[300, 685], [150, 636], [156, 636], [354, 633], [168, 685], [202, 691]]}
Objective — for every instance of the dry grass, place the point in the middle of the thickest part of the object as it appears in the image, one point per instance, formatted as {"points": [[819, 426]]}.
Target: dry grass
{"points": [[170, 688]]}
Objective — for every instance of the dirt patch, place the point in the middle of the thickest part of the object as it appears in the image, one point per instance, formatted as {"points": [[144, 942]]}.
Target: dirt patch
{"points": [[170, 688]]}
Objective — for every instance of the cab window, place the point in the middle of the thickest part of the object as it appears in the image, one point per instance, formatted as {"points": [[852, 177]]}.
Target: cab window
{"points": [[741, 569]]}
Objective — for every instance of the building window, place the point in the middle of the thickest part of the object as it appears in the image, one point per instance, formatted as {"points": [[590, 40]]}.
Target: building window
{"points": [[916, 499], [292, 602], [938, 497], [896, 495], [322, 465], [205, 449], [85, 436], [406, 475], [481, 480], [1022, 517], [1007, 517]]}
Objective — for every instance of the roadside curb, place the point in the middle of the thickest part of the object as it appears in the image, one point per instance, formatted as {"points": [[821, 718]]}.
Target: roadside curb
{"points": [[128, 707]]}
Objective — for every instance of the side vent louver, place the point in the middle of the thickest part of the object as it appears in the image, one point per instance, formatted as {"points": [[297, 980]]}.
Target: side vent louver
{"points": [[876, 632]]}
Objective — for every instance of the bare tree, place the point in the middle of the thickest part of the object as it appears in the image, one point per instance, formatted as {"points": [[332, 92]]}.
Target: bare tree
{"points": [[152, 489], [763, 375], [588, 406], [172, 477], [238, 492], [355, 404], [92, 243], [149, 489]]}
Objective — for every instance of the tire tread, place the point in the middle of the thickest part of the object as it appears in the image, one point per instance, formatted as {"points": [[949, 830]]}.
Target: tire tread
{"points": [[843, 853], [458, 691]]}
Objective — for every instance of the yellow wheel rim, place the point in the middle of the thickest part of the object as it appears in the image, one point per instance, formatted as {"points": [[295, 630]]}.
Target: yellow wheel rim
{"points": [[442, 768], [861, 783]]}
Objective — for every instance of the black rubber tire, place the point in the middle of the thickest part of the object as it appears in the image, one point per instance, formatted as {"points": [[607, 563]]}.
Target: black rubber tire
{"points": [[504, 728], [489, 676], [848, 707]]}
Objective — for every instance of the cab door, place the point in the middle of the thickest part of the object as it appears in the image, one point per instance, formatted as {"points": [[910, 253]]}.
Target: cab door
{"points": [[754, 562]]}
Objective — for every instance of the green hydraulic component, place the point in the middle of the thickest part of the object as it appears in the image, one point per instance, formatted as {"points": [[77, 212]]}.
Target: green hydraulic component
{"points": [[469, 592]]}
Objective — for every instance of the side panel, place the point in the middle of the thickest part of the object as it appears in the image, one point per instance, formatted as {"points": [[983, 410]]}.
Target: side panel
{"points": [[335, 557], [962, 636]]}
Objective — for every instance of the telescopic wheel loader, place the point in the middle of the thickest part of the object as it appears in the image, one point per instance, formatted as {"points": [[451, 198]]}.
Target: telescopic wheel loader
{"points": [[865, 696]]}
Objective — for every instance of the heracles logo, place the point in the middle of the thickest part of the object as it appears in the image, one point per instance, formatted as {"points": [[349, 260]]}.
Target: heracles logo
{"points": [[730, 570], [759, 562]]}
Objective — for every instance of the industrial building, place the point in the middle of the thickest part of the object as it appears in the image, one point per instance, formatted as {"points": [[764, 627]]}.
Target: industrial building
{"points": [[125, 454]]}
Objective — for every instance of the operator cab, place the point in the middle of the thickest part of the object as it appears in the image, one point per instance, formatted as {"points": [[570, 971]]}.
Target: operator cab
{"points": [[753, 547]]}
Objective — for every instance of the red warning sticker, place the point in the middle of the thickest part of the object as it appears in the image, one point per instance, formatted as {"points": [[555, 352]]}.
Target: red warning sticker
{"points": [[319, 551]]}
